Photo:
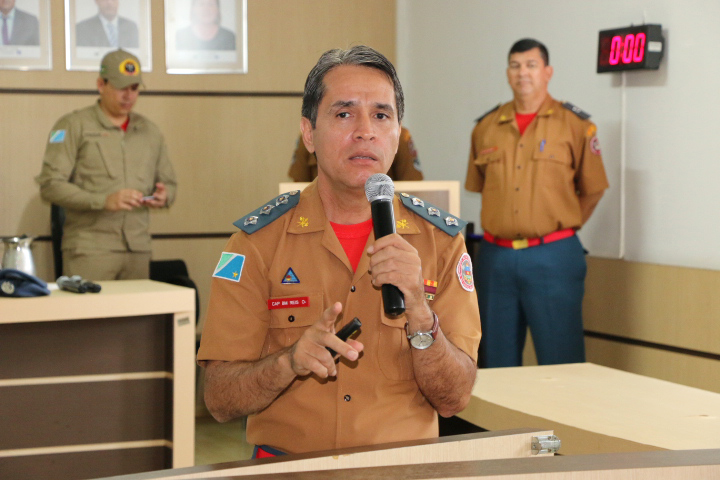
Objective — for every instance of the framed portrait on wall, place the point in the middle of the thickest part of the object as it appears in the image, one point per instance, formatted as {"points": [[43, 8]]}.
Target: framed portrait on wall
{"points": [[96, 27], [206, 36], [25, 40]]}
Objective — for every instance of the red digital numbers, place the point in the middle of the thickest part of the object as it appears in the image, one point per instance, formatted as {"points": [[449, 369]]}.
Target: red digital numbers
{"points": [[627, 49]]}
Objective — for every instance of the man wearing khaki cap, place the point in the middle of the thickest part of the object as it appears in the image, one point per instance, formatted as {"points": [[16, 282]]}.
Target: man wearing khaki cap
{"points": [[107, 167]]}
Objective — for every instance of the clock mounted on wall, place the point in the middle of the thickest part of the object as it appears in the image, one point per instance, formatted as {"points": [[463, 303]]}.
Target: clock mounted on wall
{"points": [[630, 48]]}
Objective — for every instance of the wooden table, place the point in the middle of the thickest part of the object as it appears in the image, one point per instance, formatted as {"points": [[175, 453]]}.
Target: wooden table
{"points": [[595, 409], [97, 384]]}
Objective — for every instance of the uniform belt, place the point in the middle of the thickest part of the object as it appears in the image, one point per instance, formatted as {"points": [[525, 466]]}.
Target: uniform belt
{"points": [[521, 243]]}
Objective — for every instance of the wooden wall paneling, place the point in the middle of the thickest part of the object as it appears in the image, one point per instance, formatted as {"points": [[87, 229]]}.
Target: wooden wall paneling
{"points": [[229, 155], [675, 306], [674, 367]]}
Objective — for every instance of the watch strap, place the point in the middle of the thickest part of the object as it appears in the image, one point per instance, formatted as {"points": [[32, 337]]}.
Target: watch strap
{"points": [[433, 332]]}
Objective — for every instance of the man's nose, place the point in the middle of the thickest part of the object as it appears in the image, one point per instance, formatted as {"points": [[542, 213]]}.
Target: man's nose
{"points": [[364, 128]]}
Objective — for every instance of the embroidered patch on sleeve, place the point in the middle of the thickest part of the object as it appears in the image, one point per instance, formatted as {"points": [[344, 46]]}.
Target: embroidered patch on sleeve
{"points": [[230, 266], [465, 272], [57, 136]]}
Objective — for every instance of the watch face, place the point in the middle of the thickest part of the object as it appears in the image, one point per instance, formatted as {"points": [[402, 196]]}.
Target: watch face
{"points": [[421, 341]]}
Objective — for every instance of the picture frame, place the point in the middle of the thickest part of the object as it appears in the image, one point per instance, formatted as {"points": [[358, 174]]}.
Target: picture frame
{"points": [[26, 43], [88, 37], [206, 36]]}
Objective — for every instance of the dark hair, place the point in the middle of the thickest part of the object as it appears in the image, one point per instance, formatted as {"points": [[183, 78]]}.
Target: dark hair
{"points": [[526, 44], [360, 55]]}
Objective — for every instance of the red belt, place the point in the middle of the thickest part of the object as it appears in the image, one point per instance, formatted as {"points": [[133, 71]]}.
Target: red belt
{"points": [[521, 243]]}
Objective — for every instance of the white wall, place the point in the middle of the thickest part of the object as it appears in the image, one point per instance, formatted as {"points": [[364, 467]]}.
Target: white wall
{"points": [[452, 57]]}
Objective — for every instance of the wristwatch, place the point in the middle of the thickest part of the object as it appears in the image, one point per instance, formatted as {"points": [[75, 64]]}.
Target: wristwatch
{"points": [[423, 340]]}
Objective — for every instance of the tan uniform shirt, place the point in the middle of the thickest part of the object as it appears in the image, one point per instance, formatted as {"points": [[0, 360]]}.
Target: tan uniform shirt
{"points": [[531, 184], [405, 166], [372, 400], [86, 159]]}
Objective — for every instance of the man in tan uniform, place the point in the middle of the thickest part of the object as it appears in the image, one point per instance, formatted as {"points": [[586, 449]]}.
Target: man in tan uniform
{"points": [[305, 264], [107, 166], [537, 163], [405, 166]]}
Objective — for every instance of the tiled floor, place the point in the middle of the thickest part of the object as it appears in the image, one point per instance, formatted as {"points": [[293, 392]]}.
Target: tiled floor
{"points": [[220, 442]]}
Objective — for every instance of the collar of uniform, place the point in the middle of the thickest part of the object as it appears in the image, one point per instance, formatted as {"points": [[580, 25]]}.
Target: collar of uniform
{"points": [[506, 113], [405, 221], [548, 107], [135, 119], [309, 215]]}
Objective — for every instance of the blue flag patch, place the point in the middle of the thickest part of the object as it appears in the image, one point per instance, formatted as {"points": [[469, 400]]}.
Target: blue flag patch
{"points": [[57, 136], [290, 277], [230, 266]]}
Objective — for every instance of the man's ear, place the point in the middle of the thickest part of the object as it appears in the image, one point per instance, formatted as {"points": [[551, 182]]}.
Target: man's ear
{"points": [[307, 134], [100, 84]]}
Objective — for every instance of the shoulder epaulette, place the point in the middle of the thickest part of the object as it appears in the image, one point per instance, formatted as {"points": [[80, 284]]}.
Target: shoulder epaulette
{"points": [[488, 112], [449, 224], [576, 110], [268, 213]]}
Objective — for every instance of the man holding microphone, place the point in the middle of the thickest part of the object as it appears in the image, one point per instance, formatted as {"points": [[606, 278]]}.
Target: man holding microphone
{"points": [[307, 263]]}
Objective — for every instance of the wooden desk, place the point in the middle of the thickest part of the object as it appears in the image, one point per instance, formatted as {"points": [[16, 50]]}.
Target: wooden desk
{"points": [[473, 446], [97, 384], [595, 409]]}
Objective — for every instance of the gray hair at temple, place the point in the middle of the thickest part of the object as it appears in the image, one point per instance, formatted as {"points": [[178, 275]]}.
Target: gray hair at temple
{"points": [[359, 55]]}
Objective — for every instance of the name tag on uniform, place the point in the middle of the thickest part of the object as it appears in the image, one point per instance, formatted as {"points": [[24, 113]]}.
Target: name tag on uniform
{"points": [[295, 302]]}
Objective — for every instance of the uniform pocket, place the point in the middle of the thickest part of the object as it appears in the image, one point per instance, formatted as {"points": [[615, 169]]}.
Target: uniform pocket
{"points": [[393, 351], [553, 168], [288, 324], [491, 167]]}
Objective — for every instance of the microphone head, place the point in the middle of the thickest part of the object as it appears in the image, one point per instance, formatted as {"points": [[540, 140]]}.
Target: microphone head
{"points": [[379, 187]]}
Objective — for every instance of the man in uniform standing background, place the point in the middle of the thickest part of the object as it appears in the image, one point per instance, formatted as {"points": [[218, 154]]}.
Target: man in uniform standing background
{"points": [[107, 166], [537, 163]]}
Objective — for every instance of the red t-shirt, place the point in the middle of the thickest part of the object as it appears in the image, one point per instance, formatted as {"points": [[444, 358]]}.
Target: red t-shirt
{"points": [[523, 120], [353, 239]]}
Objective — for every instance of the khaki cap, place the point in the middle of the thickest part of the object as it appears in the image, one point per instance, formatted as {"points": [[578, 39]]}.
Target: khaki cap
{"points": [[121, 69]]}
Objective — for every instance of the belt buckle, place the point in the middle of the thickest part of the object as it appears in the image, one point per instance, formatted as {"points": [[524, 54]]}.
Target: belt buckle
{"points": [[520, 244]]}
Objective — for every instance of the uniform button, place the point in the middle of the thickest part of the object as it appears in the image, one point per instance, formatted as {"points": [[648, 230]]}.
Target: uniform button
{"points": [[352, 289], [521, 145], [347, 398], [517, 189], [516, 211], [519, 167], [291, 318]]}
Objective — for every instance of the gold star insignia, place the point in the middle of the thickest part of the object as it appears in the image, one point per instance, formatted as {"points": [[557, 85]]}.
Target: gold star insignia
{"points": [[235, 274], [303, 222], [402, 224]]}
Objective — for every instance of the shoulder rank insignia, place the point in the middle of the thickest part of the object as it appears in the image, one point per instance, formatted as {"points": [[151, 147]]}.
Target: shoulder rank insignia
{"points": [[269, 212], [449, 224], [576, 110], [488, 112]]}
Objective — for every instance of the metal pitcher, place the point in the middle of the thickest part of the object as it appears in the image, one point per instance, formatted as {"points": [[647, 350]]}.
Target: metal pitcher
{"points": [[18, 254]]}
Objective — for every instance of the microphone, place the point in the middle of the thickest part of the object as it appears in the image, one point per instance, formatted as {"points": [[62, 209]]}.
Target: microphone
{"points": [[379, 190]]}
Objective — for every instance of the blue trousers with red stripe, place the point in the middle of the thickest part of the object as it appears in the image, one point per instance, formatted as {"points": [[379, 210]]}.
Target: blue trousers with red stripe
{"points": [[539, 287]]}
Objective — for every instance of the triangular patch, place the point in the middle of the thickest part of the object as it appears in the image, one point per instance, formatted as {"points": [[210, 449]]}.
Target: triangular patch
{"points": [[290, 277]]}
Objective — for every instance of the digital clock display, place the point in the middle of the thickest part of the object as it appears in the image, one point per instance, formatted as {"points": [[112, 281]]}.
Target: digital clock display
{"points": [[630, 48]]}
